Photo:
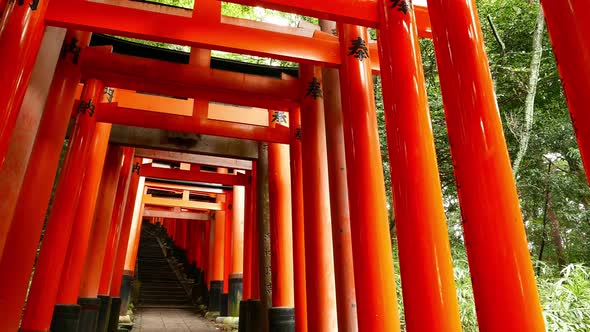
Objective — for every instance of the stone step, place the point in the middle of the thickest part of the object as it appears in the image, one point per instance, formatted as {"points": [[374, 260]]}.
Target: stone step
{"points": [[160, 286], [165, 301], [166, 292]]}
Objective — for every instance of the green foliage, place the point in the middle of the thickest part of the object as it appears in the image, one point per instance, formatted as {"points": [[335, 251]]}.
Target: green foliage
{"points": [[464, 290], [565, 295], [566, 298], [552, 134]]}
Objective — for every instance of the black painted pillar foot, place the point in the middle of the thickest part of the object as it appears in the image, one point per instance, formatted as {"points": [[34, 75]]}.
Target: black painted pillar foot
{"points": [[103, 313], [255, 321], [281, 319], [65, 318], [88, 314], [204, 289], [244, 316], [224, 312], [113, 325], [125, 293], [215, 291], [235, 294], [198, 273]]}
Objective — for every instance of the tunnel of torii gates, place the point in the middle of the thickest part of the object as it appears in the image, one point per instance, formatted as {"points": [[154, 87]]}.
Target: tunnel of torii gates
{"points": [[297, 216]]}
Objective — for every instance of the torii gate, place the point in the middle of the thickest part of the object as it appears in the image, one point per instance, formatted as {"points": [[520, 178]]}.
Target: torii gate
{"points": [[322, 300]]}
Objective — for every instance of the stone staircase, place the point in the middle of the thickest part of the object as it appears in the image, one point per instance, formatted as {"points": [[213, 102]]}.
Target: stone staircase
{"points": [[160, 286]]}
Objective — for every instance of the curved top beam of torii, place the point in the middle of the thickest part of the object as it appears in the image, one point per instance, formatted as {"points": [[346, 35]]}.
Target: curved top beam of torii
{"points": [[187, 80], [216, 34]]}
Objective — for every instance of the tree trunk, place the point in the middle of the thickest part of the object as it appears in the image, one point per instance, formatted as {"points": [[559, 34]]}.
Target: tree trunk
{"points": [[263, 220], [556, 234], [529, 106], [545, 207]]}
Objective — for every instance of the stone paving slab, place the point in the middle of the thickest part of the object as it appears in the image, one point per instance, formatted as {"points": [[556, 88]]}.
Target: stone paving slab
{"points": [[170, 320]]}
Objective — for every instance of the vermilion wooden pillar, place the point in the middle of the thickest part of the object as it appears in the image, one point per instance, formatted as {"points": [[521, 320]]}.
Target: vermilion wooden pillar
{"points": [[319, 256], [89, 287], [22, 141], [226, 258], [281, 237], [198, 244], [190, 241], [239, 201], [181, 232], [125, 229], [185, 238], [569, 29], [340, 212], [23, 236], [371, 241], [205, 253], [37, 317], [430, 296], [21, 33], [133, 243], [102, 223], [227, 242], [71, 274], [254, 305], [216, 257], [173, 230], [116, 222], [298, 222], [113, 241], [176, 227], [503, 280], [255, 263], [244, 306], [65, 291], [166, 224], [247, 263], [235, 286]]}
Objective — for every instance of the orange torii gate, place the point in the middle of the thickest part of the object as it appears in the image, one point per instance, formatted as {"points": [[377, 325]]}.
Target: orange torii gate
{"points": [[487, 192]]}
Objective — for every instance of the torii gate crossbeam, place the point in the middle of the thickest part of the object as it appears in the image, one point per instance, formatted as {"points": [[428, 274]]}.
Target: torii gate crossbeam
{"points": [[130, 22], [181, 80]]}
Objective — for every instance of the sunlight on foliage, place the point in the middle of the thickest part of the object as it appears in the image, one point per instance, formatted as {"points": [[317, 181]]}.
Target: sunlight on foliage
{"points": [[565, 295]]}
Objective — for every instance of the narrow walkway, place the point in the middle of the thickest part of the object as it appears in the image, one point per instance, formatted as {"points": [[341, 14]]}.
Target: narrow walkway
{"points": [[170, 320]]}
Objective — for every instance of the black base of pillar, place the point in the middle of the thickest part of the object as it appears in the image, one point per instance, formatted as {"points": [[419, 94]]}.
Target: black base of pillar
{"points": [[197, 275], [113, 325], [88, 314], [104, 313], [224, 312], [255, 321], [235, 294], [281, 319], [200, 289], [215, 291], [65, 318], [125, 293], [244, 321]]}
